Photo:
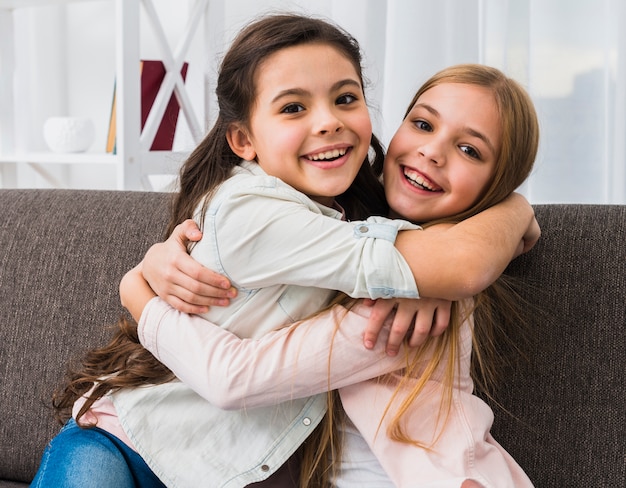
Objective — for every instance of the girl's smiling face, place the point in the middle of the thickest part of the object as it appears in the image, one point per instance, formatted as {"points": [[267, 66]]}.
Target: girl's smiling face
{"points": [[310, 125], [444, 154]]}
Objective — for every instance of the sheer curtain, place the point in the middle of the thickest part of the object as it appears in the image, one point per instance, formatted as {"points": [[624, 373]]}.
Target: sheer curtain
{"points": [[569, 54]]}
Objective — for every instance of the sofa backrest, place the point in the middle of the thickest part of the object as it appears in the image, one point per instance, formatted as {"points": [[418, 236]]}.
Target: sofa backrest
{"points": [[62, 254], [567, 404]]}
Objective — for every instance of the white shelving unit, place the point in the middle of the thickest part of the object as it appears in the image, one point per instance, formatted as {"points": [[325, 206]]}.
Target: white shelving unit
{"points": [[133, 162]]}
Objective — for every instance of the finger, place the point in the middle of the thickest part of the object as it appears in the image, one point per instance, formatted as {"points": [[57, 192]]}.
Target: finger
{"points": [[423, 325], [189, 303], [532, 235], [187, 231], [185, 307], [188, 272], [211, 279], [216, 289], [441, 320], [402, 321], [379, 313], [198, 293]]}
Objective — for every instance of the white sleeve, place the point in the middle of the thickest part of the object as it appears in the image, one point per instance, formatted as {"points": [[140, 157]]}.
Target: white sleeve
{"points": [[304, 359], [259, 236]]}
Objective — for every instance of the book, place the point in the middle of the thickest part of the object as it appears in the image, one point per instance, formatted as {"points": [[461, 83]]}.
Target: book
{"points": [[112, 124], [152, 73]]}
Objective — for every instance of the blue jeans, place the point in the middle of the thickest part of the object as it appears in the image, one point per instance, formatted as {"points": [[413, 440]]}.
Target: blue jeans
{"points": [[79, 457]]}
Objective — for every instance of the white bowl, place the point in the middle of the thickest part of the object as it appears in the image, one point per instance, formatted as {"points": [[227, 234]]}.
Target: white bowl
{"points": [[68, 134]]}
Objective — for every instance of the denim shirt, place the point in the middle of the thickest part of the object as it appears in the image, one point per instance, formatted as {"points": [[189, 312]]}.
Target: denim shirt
{"points": [[287, 255]]}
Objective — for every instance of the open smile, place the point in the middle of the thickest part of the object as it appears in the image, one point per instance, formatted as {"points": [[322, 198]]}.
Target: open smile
{"points": [[330, 158], [328, 155], [418, 180]]}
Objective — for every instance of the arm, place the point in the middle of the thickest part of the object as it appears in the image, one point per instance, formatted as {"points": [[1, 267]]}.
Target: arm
{"points": [[449, 262], [135, 293], [298, 361], [452, 261], [458, 261]]}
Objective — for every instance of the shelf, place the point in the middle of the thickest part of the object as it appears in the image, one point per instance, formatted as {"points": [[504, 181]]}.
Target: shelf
{"points": [[156, 159], [133, 163], [13, 4], [60, 158]]}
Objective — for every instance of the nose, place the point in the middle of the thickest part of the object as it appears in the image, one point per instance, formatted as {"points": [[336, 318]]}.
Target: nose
{"points": [[327, 122], [433, 150]]}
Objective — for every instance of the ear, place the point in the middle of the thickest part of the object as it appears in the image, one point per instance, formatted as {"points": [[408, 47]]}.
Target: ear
{"points": [[240, 143]]}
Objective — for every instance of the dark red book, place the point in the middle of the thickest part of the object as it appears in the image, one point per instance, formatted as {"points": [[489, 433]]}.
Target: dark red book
{"points": [[152, 73]]}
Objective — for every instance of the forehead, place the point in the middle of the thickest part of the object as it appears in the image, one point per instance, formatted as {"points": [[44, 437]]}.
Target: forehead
{"points": [[466, 95], [469, 106], [310, 62]]}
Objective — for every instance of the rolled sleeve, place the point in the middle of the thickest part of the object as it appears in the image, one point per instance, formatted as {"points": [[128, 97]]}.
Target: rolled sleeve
{"points": [[382, 257], [263, 232], [381, 228]]}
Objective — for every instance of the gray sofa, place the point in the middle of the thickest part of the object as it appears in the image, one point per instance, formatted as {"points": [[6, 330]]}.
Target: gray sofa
{"points": [[63, 252]]}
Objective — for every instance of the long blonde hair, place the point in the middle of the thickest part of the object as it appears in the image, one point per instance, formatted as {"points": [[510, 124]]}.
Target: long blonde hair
{"points": [[495, 310]]}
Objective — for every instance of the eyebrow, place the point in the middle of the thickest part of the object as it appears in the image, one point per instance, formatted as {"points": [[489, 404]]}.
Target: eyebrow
{"points": [[469, 130], [301, 92]]}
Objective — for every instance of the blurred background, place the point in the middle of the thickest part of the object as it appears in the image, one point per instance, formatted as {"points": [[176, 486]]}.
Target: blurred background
{"points": [[569, 54]]}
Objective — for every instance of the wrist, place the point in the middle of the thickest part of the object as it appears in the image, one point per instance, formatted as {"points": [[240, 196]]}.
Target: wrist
{"points": [[135, 292]]}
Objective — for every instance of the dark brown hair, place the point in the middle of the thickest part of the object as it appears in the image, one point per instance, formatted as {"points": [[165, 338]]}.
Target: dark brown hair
{"points": [[212, 161], [124, 363]]}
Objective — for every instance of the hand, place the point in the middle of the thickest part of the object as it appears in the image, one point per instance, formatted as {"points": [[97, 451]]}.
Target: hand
{"points": [[135, 292], [179, 279], [530, 237], [420, 317], [532, 232]]}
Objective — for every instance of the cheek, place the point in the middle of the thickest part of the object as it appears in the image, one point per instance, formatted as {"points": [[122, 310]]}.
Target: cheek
{"points": [[282, 139], [362, 125], [471, 185], [392, 179], [386, 170]]}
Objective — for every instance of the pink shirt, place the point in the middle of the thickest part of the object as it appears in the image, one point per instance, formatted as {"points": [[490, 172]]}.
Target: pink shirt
{"points": [[295, 362], [102, 414]]}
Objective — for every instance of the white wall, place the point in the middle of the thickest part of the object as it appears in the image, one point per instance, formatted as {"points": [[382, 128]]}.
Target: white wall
{"points": [[66, 63], [568, 53]]}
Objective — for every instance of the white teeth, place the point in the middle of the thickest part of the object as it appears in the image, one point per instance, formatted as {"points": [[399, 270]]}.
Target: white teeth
{"points": [[335, 153], [415, 177]]}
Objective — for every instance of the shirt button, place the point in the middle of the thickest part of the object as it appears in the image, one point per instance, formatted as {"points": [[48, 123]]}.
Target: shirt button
{"points": [[265, 468], [363, 229], [306, 421]]}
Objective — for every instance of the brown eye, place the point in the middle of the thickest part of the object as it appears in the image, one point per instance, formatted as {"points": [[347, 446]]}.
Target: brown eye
{"points": [[470, 151], [423, 125], [346, 99], [292, 108]]}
